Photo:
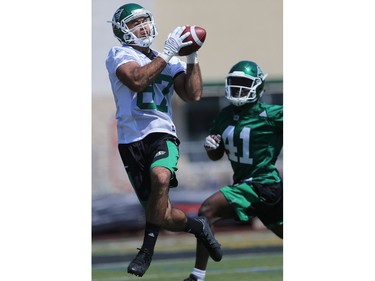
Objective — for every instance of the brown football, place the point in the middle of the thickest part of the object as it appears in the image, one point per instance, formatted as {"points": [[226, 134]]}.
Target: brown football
{"points": [[197, 35]]}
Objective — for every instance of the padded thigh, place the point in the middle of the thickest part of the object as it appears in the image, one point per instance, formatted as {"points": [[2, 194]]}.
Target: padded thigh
{"points": [[240, 197], [139, 157], [256, 200], [167, 158]]}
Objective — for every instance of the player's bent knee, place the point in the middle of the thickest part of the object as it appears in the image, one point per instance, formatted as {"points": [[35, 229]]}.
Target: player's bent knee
{"points": [[160, 177], [206, 210]]}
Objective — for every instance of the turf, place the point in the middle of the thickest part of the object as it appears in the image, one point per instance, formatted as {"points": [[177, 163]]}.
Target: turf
{"points": [[255, 267]]}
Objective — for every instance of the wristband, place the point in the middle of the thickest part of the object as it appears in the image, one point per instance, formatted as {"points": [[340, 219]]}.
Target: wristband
{"points": [[165, 57], [192, 58]]}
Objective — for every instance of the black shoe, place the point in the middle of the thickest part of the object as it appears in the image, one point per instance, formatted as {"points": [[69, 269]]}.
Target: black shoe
{"points": [[191, 278], [207, 238], [140, 263]]}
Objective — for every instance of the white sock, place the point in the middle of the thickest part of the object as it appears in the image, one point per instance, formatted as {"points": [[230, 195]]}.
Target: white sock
{"points": [[201, 274]]}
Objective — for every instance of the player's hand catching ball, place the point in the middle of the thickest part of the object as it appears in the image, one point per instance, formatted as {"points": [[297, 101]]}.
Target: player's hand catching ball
{"points": [[174, 43], [212, 142]]}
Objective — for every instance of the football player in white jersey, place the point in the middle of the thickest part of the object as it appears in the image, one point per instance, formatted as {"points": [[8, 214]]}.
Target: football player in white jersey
{"points": [[143, 82]]}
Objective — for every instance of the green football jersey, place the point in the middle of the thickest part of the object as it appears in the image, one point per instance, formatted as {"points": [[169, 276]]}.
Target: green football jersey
{"points": [[253, 139]]}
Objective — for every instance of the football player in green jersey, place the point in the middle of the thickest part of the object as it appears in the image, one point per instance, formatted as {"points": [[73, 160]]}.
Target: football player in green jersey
{"points": [[250, 132]]}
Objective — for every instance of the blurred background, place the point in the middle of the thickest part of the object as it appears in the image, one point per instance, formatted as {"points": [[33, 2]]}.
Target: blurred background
{"points": [[236, 30]]}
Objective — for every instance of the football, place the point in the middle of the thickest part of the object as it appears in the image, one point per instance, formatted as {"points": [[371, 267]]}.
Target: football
{"points": [[197, 35]]}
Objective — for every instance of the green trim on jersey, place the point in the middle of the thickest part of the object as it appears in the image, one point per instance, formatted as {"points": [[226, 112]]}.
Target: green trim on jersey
{"points": [[253, 138]]}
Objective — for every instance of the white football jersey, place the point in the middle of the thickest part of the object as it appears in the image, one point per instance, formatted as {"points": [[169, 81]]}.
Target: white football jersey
{"points": [[142, 113]]}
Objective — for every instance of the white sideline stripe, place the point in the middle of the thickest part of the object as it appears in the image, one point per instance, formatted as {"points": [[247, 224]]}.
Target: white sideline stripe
{"points": [[115, 265], [194, 34], [178, 274]]}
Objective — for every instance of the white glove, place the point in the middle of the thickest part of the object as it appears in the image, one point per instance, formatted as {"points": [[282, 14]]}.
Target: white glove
{"points": [[212, 142], [174, 43]]}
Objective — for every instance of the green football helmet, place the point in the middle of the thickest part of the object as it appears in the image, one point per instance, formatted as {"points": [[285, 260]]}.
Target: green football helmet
{"points": [[127, 13], [244, 83]]}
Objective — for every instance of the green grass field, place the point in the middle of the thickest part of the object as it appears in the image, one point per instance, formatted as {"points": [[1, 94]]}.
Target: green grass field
{"points": [[255, 267]]}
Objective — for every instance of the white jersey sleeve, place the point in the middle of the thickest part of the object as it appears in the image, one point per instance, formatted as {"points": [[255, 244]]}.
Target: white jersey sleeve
{"points": [[141, 113]]}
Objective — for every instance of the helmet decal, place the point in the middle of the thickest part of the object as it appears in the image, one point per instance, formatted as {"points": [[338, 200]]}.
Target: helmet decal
{"points": [[117, 14]]}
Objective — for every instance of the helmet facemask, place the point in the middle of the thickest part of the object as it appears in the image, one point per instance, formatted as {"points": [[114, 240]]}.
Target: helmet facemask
{"points": [[145, 40], [242, 88]]}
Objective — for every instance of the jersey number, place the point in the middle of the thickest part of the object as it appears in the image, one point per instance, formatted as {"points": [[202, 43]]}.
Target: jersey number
{"points": [[145, 99], [233, 155]]}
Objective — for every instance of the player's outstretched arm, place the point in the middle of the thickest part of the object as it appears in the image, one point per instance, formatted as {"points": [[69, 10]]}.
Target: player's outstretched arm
{"points": [[138, 77]]}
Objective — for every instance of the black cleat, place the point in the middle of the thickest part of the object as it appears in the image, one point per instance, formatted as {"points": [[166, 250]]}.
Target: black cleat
{"points": [[191, 278], [207, 238], [139, 265]]}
